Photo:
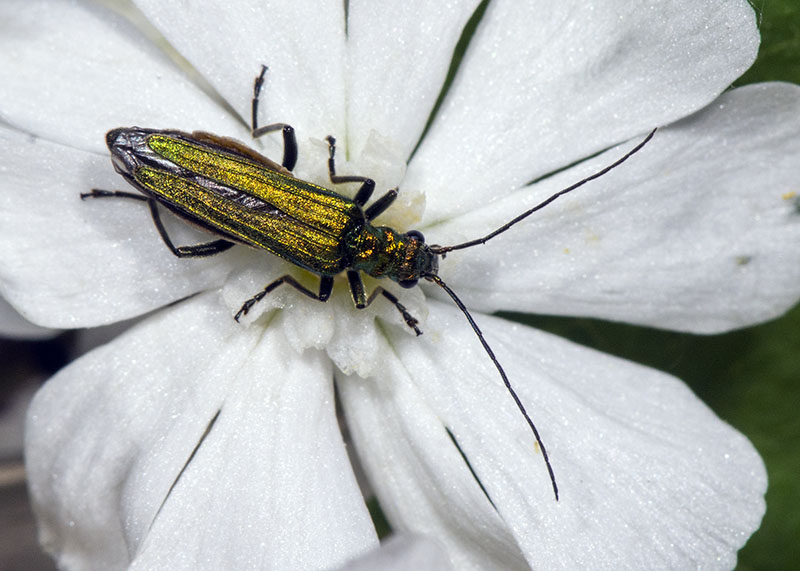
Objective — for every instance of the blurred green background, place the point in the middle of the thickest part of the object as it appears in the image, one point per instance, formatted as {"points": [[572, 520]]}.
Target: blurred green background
{"points": [[750, 377]]}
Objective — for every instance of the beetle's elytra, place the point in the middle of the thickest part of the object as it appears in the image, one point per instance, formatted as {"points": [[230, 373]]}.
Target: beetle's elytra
{"points": [[242, 197]]}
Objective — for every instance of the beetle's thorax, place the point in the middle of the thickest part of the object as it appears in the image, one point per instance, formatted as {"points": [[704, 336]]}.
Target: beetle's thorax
{"points": [[385, 253]]}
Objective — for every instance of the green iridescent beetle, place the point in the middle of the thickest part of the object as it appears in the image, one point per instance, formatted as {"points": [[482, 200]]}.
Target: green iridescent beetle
{"points": [[241, 196]]}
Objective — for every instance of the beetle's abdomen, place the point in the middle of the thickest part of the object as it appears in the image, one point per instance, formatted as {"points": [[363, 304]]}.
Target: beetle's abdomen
{"points": [[240, 198]]}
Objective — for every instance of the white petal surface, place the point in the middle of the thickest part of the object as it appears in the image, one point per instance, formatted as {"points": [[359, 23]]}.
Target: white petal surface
{"points": [[398, 56], [67, 262], [108, 439], [14, 326], [302, 43], [71, 71], [403, 553], [544, 84], [649, 477], [697, 232], [419, 477], [352, 338]]}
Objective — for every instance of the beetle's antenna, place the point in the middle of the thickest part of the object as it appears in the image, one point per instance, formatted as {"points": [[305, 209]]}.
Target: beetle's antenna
{"points": [[444, 249], [437, 280]]}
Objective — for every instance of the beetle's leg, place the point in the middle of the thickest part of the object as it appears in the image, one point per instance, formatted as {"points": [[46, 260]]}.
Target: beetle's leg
{"points": [[410, 320], [381, 204], [361, 300], [289, 140], [100, 193], [197, 250], [367, 184], [325, 288]]}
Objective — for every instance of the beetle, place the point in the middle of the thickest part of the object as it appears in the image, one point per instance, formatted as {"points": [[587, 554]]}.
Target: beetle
{"points": [[243, 197]]}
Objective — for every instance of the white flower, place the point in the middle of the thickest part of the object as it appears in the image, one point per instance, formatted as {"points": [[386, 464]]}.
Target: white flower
{"points": [[401, 553], [194, 442], [14, 326]]}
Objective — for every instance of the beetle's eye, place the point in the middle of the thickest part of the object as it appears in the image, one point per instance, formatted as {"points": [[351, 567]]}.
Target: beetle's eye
{"points": [[416, 235], [408, 283]]}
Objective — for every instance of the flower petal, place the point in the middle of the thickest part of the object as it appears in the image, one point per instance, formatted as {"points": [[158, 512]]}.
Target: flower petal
{"points": [[73, 70], [649, 477], [418, 475], [697, 232], [401, 553], [14, 326], [544, 84], [67, 262], [302, 43], [398, 55], [190, 417]]}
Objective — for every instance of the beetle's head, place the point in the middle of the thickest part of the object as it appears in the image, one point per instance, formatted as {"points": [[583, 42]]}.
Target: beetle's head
{"points": [[418, 260]]}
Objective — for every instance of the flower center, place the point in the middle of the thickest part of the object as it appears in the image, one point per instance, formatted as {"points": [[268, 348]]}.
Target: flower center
{"points": [[352, 337]]}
